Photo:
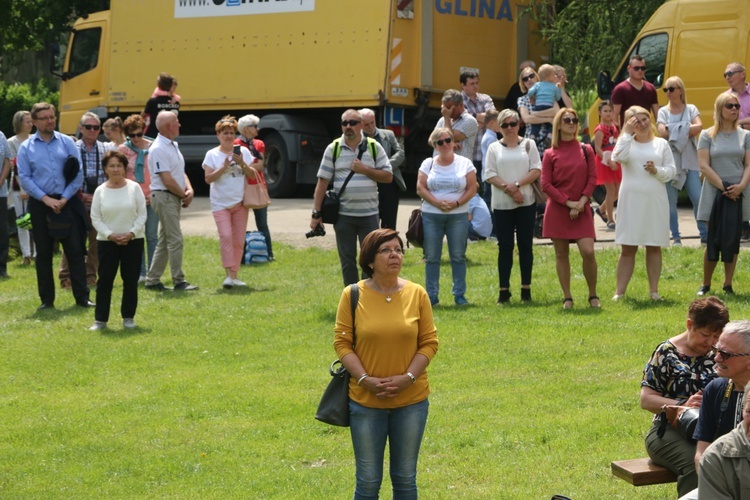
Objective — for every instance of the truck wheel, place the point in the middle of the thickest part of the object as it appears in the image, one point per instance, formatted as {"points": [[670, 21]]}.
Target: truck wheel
{"points": [[280, 172]]}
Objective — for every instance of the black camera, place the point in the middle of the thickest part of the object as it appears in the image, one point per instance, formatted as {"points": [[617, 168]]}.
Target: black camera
{"points": [[318, 231]]}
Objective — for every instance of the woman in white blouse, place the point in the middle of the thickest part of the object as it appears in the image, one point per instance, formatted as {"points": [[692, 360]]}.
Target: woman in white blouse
{"points": [[511, 165], [118, 213]]}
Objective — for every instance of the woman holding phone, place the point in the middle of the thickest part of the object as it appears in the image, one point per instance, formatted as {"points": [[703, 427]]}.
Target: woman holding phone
{"points": [[226, 167]]}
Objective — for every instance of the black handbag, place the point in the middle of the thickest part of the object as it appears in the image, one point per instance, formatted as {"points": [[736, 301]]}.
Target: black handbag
{"points": [[329, 211], [333, 408]]}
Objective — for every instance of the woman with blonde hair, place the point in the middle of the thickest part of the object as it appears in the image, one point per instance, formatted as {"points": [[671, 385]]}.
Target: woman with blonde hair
{"points": [[112, 129], [643, 206], [723, 157], [680, 123], [526, 79], [569, 179]]}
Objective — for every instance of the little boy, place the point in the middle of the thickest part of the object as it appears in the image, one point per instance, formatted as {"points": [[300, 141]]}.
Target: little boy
{"points": [[545, 93]]}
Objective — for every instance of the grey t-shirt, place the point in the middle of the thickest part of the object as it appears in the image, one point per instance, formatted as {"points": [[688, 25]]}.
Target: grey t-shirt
{"points": [[727, 159]]}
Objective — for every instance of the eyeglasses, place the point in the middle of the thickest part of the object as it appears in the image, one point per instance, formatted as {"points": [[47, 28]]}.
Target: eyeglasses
{"points": [[133, 136], [528, 77], [350, 123], [729, 74], [92, 127], [569, 120], [253, 125], [509, 124], [447, 140], [731, 105], [670, 89], [388, 251], [727, 355], [639, 68]]}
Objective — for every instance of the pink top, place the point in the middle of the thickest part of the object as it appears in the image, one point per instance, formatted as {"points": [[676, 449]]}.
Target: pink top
{"points": [[130, 171]]}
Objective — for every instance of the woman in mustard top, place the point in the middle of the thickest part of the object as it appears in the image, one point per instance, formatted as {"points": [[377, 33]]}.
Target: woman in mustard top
{"points": [[395, 341]]}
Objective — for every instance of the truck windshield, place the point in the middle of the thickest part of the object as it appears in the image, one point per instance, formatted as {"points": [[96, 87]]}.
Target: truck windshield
{"points": [[84, 53], [653, 49]]}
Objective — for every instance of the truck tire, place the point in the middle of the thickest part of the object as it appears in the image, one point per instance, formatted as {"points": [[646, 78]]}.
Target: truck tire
{"points": [[281, 174]]}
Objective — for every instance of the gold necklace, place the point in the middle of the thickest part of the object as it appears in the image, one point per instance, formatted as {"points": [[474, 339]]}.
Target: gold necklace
{"points": [[387, 295]]}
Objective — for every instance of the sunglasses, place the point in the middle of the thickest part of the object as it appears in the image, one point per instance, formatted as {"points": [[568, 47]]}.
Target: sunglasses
{"points": [[509, 124], [528, 77], [447, 140], [730, 105], [569, 120], [729, 74], [350, 123], [670, 89], [132, 136], [727, 355], [92, 127], [639, 68]]}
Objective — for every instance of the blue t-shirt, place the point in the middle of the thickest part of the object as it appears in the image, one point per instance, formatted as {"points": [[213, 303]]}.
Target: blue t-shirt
{"points": [[546, 94], [713, 395]]}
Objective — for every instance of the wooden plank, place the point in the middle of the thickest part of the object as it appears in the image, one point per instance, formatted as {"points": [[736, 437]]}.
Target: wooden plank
{"points": [[642, 472]]}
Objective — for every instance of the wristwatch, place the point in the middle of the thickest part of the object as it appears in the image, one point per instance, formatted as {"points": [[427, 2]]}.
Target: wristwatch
{"points": [[517, 184], [316, 214]]}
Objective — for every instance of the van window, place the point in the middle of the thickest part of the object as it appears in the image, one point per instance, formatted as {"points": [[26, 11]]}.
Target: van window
{"points": [[84, 54], [653, 48]]}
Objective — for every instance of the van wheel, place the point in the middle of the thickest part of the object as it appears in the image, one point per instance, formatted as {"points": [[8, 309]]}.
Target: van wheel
{"points": [[280, 173]]}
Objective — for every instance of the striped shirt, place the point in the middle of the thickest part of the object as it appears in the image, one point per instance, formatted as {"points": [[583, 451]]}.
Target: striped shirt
{"points": [[481, 104], [360, 198]]}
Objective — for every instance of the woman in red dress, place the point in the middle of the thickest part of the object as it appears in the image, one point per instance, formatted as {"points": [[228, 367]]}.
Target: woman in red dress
{"points": [[569, 179]]}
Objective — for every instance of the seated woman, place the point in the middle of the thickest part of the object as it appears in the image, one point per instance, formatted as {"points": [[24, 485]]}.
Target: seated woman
{"points": [[676, 374]]}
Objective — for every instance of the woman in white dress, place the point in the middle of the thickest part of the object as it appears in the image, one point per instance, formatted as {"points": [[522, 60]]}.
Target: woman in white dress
{"points": [[643, 207]]}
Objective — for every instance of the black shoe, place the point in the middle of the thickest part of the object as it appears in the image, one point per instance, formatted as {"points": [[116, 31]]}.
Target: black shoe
{"points": [[159, 287], [4, 275], [728, 290], [526, 294], [45, 306], [184, 286], [601, 216], [504, 297], [85, 303], [745, 235], [703, 290]]}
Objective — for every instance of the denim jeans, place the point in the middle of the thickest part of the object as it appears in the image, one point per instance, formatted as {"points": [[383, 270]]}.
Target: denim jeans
{"points": [[403, 428], [693, 188], [261, 221], [456, 228], [152, 238]]}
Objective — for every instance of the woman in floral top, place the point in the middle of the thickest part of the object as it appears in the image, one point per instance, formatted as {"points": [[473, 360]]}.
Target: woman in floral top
{"points": [[676, 374]]}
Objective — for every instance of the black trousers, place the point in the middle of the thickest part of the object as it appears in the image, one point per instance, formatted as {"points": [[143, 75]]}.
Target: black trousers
{"points": [[519, 223], [4, 236], [388, 196], [73, 246], [128, 259]]}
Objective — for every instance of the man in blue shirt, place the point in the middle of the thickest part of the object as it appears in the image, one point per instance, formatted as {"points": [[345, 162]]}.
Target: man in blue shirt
{"points": [[56, 210]]}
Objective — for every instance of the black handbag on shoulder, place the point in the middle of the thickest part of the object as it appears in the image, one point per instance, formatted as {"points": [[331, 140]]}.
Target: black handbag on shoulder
{"points": [[333, 408]]}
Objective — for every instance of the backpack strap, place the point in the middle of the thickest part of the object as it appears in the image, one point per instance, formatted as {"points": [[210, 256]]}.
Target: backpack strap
{"points": [[354, 300]]}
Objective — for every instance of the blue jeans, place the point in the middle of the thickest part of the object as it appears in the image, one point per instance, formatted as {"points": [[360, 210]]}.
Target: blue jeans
{"points": [[261, 221], [693, 188], [403, 428], [152, 238], [456, 228]]}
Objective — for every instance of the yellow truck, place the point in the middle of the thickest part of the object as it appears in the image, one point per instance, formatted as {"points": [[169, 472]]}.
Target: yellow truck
{"points": [[692, 39], [295, 63]]}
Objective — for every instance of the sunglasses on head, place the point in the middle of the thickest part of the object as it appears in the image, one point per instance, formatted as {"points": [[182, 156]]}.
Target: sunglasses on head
{"points": [[729, 74], [639, 68], [140, 134], [570, 120], [528, 77], [350, 123], [92, 127], [727, 355], [731, 105], [509, 124], [447, 140], [670, 89]]}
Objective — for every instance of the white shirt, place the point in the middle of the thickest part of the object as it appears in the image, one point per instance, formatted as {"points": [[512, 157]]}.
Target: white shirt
{"points": [[229, 189], [164, 156]]}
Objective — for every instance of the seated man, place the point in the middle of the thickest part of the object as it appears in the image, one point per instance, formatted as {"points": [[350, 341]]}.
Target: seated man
{"points": [[480, 219]]}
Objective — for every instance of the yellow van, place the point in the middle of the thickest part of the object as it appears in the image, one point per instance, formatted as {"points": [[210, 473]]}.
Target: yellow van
{"points": [[692, 39]]}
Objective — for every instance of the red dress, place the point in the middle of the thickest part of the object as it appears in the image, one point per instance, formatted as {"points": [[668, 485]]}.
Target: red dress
{"points": [[604, 174], [567, 175]]}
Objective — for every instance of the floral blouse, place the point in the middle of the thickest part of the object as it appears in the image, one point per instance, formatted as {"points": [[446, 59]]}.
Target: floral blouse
{"points": [[675, 375]]}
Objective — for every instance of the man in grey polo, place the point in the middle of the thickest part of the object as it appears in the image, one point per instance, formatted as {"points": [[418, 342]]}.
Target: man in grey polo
{"points": [[170, 192], [358, 215]]}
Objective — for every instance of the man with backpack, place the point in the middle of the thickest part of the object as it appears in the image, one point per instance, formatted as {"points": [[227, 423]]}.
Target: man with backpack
{"points": [[353, 164]]}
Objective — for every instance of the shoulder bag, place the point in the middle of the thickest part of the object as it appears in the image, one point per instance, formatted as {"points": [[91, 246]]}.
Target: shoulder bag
{"points": [[256, 192], [329, 211], [540, 197], [333, 408]]}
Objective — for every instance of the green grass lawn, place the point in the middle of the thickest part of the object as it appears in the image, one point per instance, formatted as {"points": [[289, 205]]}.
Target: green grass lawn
{"points": [[213, 395]]}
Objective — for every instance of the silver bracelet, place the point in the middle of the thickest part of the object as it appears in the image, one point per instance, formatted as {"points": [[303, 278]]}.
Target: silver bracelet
{"points": [[364, 376]]}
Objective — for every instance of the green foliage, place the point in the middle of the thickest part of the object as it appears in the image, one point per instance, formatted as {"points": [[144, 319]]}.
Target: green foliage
{"points": [[213, 395], [589, 36], [17, 97]]}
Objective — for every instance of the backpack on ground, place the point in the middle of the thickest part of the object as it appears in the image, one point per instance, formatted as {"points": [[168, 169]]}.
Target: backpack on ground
{"points": [[256, 250]]}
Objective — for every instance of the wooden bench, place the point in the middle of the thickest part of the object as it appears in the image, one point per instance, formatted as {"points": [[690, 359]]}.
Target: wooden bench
{"points": [[642, 472]]}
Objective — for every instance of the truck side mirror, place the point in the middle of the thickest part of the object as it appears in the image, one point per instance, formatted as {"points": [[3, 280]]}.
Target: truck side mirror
{"points": [[604, 85], [659, 80], [55, 64]]}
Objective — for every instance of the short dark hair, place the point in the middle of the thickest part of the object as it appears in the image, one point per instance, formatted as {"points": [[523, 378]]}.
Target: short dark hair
{"points": [[372, 243], [114, 153], [164, 82], [465, 75], [708, 312], [636, 57], [40, 106]]}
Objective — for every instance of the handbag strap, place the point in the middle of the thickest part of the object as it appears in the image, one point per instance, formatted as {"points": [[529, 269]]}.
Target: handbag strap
{"points": [[353, 300], [362, 149]]}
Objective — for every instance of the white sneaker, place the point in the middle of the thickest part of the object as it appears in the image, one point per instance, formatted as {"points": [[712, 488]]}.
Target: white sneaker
{"points": [[237, 282], [618, 297], [655, 296], [98, 325], [142, 280], [128, 323], [228, 283]]}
